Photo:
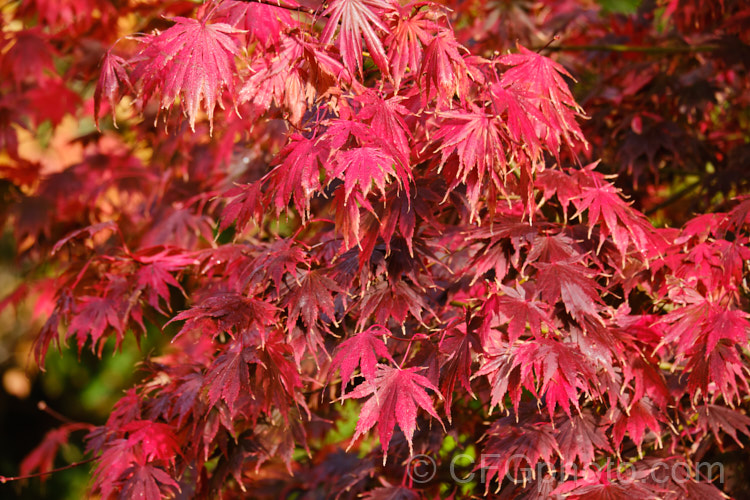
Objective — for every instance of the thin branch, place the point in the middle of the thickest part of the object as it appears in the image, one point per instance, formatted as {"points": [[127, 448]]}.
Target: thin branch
{"points": [[679, 49], [59, 416], [4, 479], [304, 10], [675, 197]]}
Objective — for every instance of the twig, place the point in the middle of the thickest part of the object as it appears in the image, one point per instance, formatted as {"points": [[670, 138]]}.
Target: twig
{"points": [[4, 479], [633, 48], [305, 10], [679, 194]]}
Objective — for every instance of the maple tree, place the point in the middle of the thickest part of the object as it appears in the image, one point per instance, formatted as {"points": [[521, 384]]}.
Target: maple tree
{"points": [[394, 215]]}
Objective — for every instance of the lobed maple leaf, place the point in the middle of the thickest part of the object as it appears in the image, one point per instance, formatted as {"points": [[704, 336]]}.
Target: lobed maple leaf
{"points": [[278, 78], [604, 204], [363, 167], [642, 415], [42, 457], [359, 19], [95, 315], [193, 60], [244, 206], [262, 22], [519, 308], [477, 140], [544, 77], [443, 70], [112, 77], [510, 446], [227, 312], [722, 420], [363, 350], [310, 298], [407, 38], [297, 174], [229, 374], [580, 437], [457, 344], [396, 393], [571, 281], [147, 483], [562, 371]]}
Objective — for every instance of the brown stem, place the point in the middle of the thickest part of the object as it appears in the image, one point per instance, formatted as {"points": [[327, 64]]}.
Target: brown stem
{"points": [[4, 479], [278, 4], [633, 48], [675, 197], [59, 416]]}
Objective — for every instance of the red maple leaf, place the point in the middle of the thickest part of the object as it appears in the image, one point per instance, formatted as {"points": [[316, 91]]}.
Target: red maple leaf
{"points": [[192, 59], [544, 77], [359, 19], [722, 420], [278, 78], [460, 340], [363, 350], [580, 437], [642, 415], [518, 307], [363, 167], [311, 298], [228, 374], [227, 312], [264, 23], [571, 281], [112, 77], [297, 174], [477, 139], [618, 220], [407, 38], [443, 70], [148, 483], [396, 394], [518, 447], [42, 457]]}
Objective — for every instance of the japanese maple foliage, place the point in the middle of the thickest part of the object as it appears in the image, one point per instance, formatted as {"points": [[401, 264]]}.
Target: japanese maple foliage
{"points": [[368, 209]]}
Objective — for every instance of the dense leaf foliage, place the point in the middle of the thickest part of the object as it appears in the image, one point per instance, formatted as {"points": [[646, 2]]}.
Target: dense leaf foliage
{"points": [[394, 213]]}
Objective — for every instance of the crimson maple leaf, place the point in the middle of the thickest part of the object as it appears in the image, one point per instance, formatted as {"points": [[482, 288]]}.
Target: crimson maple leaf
{"points": [[625, 225], [571, 281], [311, 298], [518, 447], [477, 139], [297, 174], [148, 483], [227, 312], [361, 350], [641, 415], [363, 167], [407, 38], [457, 345], [544, 77], [396, 394], [443, 69], [579, 437], [228, 374], [519, 308], [263, 22], [278, 79], [42, 457], [192, 59], [112, 77], [359, 19], [720, 419]]}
